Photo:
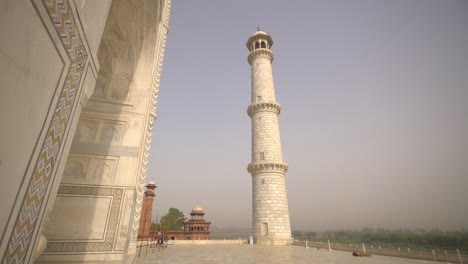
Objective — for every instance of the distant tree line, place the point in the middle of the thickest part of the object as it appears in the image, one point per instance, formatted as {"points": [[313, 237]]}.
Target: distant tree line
{"points": [[415, 238]]}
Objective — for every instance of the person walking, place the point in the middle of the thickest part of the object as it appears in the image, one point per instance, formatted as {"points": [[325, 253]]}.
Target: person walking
{"points": [[159, 238]]}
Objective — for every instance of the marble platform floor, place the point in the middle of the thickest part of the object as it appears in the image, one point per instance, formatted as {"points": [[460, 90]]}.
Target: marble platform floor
{"points": [[244, 254]]}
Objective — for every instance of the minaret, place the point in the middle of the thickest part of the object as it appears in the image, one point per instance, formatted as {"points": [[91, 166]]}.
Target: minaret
{"points": [[146, 211], [270, 213]]}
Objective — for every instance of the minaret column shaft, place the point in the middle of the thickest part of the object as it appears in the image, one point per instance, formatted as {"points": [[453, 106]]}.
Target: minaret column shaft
{"points": [[266, 138], [263, 89], [270, 213]]}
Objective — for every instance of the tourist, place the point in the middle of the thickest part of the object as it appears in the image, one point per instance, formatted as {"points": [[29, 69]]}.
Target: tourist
{"points": [[159, 237]]}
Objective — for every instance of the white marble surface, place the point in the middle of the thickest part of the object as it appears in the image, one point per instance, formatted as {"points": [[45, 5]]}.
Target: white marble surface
{"points": [[71, 225], [245, 254], [30, 68]]}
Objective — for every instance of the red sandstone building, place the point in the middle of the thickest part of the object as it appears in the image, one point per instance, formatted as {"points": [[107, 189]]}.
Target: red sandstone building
{"points": [[145, 220], [196, 228]]}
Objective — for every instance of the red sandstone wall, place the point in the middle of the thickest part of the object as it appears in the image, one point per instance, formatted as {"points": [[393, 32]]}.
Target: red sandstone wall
{"points": [[145, 220]]}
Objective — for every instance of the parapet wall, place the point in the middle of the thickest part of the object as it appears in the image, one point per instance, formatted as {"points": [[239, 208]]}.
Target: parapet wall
{"points": [[208, 242], [434, 255]]}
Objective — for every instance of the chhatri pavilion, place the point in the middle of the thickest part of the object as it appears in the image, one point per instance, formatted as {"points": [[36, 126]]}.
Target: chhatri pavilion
{"points": [[196, 228]]}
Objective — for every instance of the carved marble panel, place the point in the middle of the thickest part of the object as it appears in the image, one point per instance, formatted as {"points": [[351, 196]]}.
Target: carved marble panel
{"points": [[120, 88], [111, 132], [70, 226], [102, 171], [86, 130], [76, 167], [90, 169], [101, 204]]}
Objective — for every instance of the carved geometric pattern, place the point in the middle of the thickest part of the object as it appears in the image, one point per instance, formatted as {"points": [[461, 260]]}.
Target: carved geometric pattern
{"points": [[144, 157], [27, 220], [111, 230]]}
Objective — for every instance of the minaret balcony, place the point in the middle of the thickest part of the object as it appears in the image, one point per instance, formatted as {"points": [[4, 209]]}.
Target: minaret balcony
{"points": [[257, 167], [260, 53], [263, 107]]}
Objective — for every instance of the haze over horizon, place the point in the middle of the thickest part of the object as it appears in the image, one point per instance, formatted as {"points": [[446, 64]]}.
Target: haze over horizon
{"points": [[374, 121]]}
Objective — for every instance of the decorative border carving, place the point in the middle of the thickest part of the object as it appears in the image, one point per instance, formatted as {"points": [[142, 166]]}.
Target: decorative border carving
{"points": [[263, 106], [111, 230], [259, 167], [260, 53], [150, 120], [32, 203]]}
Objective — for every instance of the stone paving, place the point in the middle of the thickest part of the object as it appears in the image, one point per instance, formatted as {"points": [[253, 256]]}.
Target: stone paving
{"points": [[244, 254]]}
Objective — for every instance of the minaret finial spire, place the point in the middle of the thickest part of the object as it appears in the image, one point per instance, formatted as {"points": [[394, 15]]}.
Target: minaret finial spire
{"points": [[258, 28]]}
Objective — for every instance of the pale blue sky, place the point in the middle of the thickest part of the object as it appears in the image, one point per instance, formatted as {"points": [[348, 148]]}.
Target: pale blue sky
{"points": [[374, 124]]}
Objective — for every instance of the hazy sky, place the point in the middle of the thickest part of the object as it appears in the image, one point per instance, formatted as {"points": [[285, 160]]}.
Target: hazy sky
{"points": [[374, 124]]}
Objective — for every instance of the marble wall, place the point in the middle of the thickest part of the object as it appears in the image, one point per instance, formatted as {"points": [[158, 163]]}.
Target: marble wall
{"points": [[79, 82], [47, 73]]}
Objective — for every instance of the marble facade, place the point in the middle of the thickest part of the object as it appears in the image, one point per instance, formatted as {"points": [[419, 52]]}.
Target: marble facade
{"points": [[80, 82]]}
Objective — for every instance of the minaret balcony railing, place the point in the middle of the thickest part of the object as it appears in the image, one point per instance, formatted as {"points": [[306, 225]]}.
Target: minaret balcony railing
{"points": [[260, 53], [263, 107], [257, 167]]}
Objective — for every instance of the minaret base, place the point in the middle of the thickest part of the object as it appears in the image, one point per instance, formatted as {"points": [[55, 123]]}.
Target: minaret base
{"points": [[276, 241]]}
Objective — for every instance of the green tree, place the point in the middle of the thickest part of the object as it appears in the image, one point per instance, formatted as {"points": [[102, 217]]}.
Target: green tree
{"points": [[154, 226], [173, 220]]}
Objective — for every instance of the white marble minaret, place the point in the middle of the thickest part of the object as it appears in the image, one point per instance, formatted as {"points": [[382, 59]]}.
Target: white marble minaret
{"points": [[270, 213]]}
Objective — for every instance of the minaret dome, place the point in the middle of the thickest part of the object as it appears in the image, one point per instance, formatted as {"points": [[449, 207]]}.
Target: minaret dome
{"points": [[259, 40]]}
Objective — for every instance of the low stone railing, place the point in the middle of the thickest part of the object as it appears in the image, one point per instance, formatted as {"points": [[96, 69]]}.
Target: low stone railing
{"points": [[209, 242], [434, 255]]}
